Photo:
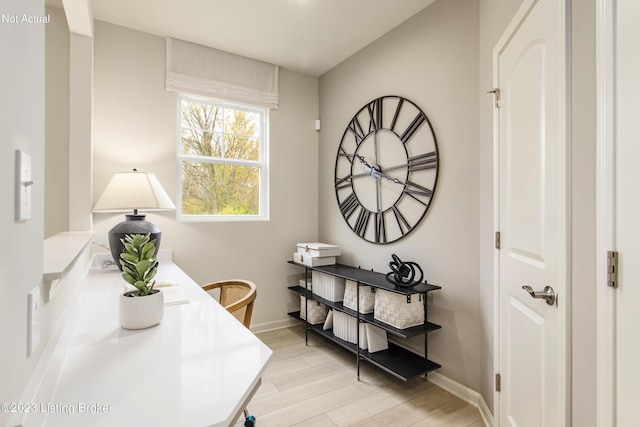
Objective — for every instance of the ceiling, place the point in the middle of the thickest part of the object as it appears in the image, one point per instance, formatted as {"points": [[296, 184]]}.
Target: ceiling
{"points": [[308, 36]]}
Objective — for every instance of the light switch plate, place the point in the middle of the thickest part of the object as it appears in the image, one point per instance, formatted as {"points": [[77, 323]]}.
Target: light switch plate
{"points": [[33, 321], [23, 186]]}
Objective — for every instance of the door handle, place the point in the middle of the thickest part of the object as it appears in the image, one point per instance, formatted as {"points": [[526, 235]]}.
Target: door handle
{"points": [[548, 294]]}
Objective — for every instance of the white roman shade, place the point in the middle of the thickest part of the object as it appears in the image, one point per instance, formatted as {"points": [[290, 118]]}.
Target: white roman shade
{"points": [[201, 70]]}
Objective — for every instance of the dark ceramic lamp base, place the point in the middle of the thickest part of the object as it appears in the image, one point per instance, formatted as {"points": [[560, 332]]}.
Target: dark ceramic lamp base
{"points": [[134, 224]]}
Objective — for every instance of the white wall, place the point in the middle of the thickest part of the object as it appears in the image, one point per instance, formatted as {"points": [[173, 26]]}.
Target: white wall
{"points": [[21, 127], [431, 59], [135, 126], [56, 124]]}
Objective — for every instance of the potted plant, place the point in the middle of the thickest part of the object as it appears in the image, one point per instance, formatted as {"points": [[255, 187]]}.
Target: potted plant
{"points": [[144, 306]]}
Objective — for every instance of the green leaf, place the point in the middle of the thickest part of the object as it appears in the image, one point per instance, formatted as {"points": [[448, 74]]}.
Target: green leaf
{"points": [[128, 278], [148, 250], [140, 285], [129, 248], [131, 271], [150, 274], [140, 240], [128, 257], [142, 267]]}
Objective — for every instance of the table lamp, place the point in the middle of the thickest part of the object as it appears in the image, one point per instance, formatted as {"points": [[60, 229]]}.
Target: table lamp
{"points": [[132, 191]]}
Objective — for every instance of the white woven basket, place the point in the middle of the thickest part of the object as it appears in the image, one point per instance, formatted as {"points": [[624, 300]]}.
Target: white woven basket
{"points": [[393, 309], [367, 297], [316, 311]]}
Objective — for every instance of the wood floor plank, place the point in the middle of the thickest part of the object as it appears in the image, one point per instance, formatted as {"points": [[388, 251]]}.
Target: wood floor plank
{"points": [[460, 414], [317, 385], [309, 375], [266, 388], [320, 421], [371, 405], [308, 391], [286, 367], [309, 408], [399, 416]]}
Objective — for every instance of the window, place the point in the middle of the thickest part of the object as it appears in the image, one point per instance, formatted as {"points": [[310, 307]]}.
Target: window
{"points": [[222, 161]]}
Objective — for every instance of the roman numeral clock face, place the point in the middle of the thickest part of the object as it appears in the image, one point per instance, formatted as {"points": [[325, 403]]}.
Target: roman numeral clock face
{"points": [[386, 169]]}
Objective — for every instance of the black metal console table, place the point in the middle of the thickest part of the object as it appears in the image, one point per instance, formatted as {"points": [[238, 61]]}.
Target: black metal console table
{"points": [[396, 360]]}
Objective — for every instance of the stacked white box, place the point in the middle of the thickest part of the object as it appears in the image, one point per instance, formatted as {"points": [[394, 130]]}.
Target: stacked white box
{"points": [[308, 284], [327, 286], [316, 254], [313, 261], [367, 297], [318, 249], [393, 309], [316, 311]]}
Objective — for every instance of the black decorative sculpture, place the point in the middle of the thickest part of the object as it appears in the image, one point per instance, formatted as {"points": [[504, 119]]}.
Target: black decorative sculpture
{"points": [[403, 274]]}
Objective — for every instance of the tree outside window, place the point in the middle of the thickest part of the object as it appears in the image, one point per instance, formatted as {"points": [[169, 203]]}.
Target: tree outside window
{"points": [[222, 161]]}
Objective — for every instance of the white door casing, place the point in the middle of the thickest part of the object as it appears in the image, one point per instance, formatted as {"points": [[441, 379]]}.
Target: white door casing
{"points": [[605, 309], [531, 213], [627, 211], [618, 211]]}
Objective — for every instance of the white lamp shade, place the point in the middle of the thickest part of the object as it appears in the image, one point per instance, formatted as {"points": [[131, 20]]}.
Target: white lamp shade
{"points": [[133, 190]]}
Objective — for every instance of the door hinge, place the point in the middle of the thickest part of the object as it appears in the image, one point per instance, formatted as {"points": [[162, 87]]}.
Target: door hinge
{"points": [[496, 96], [498, 382], [612, 269], [497, 240]]}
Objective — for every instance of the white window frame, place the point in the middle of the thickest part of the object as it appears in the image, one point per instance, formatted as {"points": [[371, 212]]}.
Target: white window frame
{"points": [[262, 164]]}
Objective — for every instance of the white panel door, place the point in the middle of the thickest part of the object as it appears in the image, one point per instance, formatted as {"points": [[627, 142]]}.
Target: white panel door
{"points": [[531, 144], [627, 213]]}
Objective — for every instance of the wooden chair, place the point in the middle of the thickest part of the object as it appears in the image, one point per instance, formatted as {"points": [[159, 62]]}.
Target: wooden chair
{"points": [[237, 296]]}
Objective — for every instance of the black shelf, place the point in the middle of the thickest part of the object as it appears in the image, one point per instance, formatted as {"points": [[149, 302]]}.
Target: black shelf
{"points": [[367, 277], [397, 361], [413, 331]]}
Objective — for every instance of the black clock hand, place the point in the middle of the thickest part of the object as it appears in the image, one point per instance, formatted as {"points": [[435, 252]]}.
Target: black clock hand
{"points": [[361, 175], [416, 163], [373, 172], [410, 188], [367, 167], [390, 178]]}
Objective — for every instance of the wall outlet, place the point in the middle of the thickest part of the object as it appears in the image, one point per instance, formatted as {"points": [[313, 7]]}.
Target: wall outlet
{"points": [[33, 320]]}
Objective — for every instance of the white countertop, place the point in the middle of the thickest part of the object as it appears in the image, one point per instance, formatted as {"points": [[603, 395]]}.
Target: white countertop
{"points": [[196, 368]]}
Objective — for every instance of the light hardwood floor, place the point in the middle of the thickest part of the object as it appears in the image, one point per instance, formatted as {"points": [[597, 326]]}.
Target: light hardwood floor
{"points": [[316, 385]]}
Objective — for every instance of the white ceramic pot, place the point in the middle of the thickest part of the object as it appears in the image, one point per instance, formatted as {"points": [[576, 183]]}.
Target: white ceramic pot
{"points": [[141, 312]]}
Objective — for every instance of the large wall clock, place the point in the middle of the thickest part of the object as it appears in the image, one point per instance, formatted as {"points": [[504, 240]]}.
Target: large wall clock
{"points": [[386, 169]]}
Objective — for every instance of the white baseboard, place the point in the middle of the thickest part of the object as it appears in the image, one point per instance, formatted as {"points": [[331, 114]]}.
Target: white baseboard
{"points": [[257, 328], [465, 393]]}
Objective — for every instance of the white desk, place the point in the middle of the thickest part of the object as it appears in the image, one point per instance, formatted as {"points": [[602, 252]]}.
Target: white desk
{"points": [[198, 367]]}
